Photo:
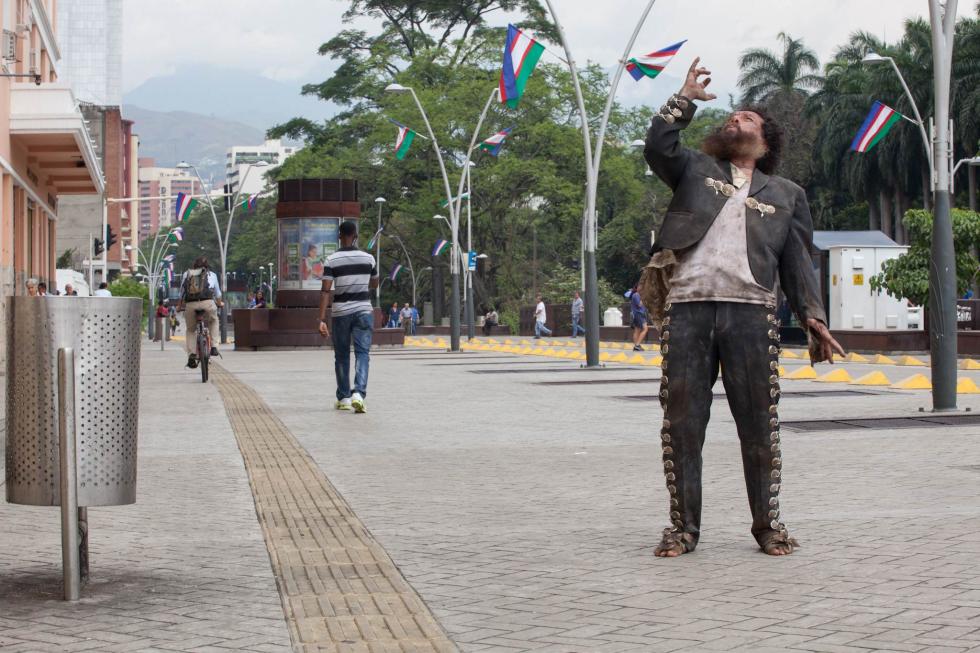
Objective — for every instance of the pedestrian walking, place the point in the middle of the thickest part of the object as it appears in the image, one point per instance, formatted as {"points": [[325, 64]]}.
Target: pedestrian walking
{"points": [[540, 318], [102, 290], [161, 316], [415, 319], [393, 316], [638, 319], [349, 275], [577, 307], [732, 228]]}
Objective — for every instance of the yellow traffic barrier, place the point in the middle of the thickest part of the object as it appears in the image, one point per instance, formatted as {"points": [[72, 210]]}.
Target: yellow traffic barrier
{"points": [[881, 359], [914, 382], [805, 372], [621, 357], [911, 361], [874, 378], [970, 364], [839, 375], [966, 386], [637, 359], [855, 357]]}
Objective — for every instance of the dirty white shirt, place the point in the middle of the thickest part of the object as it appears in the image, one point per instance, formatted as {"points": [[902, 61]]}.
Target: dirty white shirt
{"points": [[716, 268]]}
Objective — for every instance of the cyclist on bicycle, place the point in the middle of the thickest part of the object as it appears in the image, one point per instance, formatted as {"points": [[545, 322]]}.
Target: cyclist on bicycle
{"points": [[199, 291]]}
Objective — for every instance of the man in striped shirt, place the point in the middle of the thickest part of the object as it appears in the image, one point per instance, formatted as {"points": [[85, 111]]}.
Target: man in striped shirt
{"points": [[349, 275]]}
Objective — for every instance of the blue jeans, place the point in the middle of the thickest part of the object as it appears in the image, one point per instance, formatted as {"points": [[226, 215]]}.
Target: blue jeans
{"points": [[357, 327], [576, 327], [540, 328]]}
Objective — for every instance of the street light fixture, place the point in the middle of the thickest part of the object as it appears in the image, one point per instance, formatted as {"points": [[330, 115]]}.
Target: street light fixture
{"points": [[453, 215], [380, 201], [222, 240]]}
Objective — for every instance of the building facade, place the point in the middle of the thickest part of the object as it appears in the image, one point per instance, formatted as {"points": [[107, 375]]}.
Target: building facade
{"points": [[158, 187], [45, 149], [241, 160]]}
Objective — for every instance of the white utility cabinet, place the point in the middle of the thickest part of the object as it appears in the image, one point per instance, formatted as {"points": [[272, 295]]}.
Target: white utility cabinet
{"points": [[853, 304]]}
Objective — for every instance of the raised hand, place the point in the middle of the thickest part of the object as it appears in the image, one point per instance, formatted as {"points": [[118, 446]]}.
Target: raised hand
{"points": [[695, 89]]}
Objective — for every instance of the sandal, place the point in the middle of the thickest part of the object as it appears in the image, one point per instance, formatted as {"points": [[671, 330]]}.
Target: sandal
{"points": [[776, 540], [674, 540]]}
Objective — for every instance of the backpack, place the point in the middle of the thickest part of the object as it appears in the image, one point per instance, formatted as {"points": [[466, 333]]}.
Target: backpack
{"points": [[196, 287]]}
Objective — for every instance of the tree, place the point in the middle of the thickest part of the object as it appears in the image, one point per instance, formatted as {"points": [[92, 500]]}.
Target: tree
{"points": [[768, 76], [782, 82], [908, 275]]}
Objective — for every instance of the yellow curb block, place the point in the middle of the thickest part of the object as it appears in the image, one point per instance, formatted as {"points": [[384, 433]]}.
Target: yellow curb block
{"points": [[881, 359], [782, 371], [786, 353], [839, 375], [805, 372], [966, 386], [655, 361], [914, 382], [638, 359], [874, 378], [911, 361], [970, 364], [605, 356], [621, 357], [577, 355], [491, 341], [854, 357], [508, 341]]}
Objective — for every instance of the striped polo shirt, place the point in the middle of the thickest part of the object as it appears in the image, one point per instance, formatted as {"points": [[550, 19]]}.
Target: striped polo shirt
{"points": [[350, 270]]}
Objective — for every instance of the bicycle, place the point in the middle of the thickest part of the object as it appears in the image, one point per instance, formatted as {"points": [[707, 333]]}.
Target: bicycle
{"points": [[203, 335]]}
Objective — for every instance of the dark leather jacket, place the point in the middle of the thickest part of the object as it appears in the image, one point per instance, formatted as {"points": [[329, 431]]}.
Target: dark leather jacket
{"points": [[778, 243]]}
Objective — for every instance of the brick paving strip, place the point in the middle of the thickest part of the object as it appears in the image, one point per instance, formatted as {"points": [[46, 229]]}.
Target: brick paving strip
{"points": [[340, 590]]}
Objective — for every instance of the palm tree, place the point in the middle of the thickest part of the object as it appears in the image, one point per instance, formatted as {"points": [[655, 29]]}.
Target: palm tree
{"points": [[767, 75]]}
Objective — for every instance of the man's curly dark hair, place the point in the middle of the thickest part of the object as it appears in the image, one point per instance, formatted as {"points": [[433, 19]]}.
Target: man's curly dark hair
{"points": [[772, 133]]}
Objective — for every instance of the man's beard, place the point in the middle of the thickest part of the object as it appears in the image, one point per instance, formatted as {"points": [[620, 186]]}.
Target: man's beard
{"points": [[736, 144]]}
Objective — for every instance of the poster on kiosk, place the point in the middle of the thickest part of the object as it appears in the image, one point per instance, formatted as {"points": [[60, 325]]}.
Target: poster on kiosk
{"points": [[304, 245]]}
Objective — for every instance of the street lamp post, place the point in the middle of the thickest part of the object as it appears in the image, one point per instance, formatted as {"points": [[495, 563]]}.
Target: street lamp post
{"points": [[470, 317], [411, 268], [222, 241], [261, 270], [942, 270], [589, 222], [454, 219], [377, 255]]}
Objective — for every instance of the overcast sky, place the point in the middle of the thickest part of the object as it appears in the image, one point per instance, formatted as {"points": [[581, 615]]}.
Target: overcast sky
{"points": [[279, 38]]}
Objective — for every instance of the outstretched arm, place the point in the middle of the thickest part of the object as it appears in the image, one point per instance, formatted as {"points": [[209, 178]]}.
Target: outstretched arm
{"points": [[664, 152]]}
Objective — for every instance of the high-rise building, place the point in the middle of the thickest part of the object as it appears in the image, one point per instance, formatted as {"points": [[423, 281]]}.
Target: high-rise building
{"points": [[158, 188], [241, 160], [90, 34]]}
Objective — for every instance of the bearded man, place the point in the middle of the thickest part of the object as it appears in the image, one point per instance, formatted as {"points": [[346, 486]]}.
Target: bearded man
{"points": [[732, 228]]}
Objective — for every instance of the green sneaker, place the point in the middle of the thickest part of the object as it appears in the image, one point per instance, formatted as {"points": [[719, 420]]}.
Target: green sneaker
{"points": [[357, 401], [343, 404]]}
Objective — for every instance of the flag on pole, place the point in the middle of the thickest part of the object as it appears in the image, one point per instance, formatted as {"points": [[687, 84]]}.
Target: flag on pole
{"points": [[652, 64], [183, 206], [250, 202], [404, 140], [395, 271], [439, 247], [169, 257], [493, 144], [521, 55], [374, 238], [881, 119], [444, 203], [177, 235]]}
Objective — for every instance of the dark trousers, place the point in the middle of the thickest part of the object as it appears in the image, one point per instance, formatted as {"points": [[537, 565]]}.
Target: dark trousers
{"points": [[744, 339]]}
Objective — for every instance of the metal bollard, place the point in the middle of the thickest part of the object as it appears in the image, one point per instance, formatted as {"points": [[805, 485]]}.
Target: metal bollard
{"points": [[68, 450]]}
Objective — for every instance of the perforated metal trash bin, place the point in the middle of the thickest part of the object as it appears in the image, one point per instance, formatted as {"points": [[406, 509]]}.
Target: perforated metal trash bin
{"points": [[105, 335]]}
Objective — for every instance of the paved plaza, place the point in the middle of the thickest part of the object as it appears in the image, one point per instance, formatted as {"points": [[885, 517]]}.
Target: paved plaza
{"points": [[496, 502]]}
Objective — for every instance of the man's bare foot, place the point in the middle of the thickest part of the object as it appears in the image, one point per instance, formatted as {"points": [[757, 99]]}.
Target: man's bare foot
{"points": [[779, 544], [674, 543]]}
